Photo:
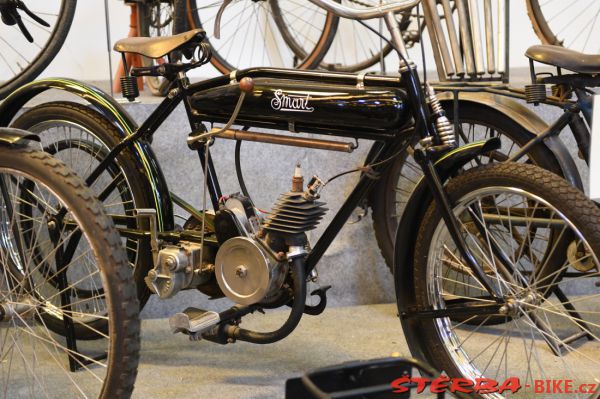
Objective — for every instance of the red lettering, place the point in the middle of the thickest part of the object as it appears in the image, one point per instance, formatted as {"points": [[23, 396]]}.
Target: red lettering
{"points": [[485, 385], [556, 386], [439, 385], [421, 383], [539, 386], [461, 385], [568, 386], [398, 384], [512, 384]]}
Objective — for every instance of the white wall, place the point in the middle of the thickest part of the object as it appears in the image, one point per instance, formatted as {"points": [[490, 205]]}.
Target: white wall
{"points": [[84, 55]]}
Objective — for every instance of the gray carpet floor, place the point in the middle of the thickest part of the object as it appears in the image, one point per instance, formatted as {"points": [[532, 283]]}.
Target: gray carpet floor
{"points": [[171, 366]]}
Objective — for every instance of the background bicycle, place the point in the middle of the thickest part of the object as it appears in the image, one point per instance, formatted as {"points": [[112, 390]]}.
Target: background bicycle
{"points": [[298, 34], [26, 45]]}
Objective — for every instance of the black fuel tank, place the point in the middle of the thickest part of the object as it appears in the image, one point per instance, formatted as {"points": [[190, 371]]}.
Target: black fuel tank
{"points": [[308, 106]]}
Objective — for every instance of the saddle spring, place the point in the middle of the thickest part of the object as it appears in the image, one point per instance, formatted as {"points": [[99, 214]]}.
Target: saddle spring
{"points": [[204, 53]]}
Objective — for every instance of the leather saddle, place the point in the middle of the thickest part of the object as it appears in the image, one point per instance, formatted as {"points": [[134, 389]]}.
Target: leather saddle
{"points": [[157, 47], [565, 58]]}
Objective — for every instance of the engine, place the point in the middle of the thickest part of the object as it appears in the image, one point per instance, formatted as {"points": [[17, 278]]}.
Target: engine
{"points": [[251, 263], [247, 270], [179, 267], [252, 260]]}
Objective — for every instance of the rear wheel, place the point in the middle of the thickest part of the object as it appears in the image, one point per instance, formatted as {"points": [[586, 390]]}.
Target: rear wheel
{"points": [[477, 123], [547, 326], [62, 267], [81, 138]]}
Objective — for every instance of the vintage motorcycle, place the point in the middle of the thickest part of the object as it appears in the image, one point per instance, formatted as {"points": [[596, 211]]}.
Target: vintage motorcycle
{"points": [[485, 252]]}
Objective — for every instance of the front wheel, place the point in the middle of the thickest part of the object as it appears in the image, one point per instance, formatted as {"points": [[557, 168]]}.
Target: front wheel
{"points": [[69, 313], [258, 33], [538, 240], [569, 23]]}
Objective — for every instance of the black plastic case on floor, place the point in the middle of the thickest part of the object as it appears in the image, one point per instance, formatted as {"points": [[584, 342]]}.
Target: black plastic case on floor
{"points": [[362, 379]]}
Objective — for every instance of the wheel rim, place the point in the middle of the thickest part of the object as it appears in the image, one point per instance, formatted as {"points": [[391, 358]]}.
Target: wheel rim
{"points": [[574, 24], [34, 357], [364, 49], [120, 202], [493, 355]]}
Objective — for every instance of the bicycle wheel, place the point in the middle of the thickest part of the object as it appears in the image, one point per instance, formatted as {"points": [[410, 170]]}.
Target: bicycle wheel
{"points": [[570, 23], [81, 138], [62, 267], [551, 324], [21, 61], [254, 27], [363, 51], [477, 123], [155, 19]]}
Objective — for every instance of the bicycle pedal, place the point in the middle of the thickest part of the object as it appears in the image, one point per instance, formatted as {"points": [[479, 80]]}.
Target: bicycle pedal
{"points": [[193, 321]]}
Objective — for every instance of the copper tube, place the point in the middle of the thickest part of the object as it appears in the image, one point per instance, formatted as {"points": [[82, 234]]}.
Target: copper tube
{"points": [[489, 36], [473, 7], [232, 134]]}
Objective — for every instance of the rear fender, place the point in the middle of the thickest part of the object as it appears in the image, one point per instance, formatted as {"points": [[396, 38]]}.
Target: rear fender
{"points": [[118, 116]]}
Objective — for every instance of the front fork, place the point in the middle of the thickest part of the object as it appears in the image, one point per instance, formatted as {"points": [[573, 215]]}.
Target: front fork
{"points": [[434, 144]]}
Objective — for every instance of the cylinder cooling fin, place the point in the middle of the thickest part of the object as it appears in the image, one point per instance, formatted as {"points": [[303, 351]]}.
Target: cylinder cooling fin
{"points": [[294, 214]]}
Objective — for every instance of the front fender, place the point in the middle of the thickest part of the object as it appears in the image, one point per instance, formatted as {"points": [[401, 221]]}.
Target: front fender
{"points": [[526, 118], [414, 211], [117, 115], [16, 137]]}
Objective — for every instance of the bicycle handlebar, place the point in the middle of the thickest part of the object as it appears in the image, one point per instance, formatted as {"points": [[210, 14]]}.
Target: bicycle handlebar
{"points": [[366, 13]]}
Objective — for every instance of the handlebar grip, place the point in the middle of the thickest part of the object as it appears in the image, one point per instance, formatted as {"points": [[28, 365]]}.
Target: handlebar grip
{"points": [[145, 71]]}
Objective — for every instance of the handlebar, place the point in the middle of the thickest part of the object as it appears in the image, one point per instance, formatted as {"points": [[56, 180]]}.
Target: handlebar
{"points": [[366, 13]]}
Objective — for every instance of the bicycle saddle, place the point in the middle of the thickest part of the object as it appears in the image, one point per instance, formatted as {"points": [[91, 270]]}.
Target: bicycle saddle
{"points": [[157, 47], [565, 58]]}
